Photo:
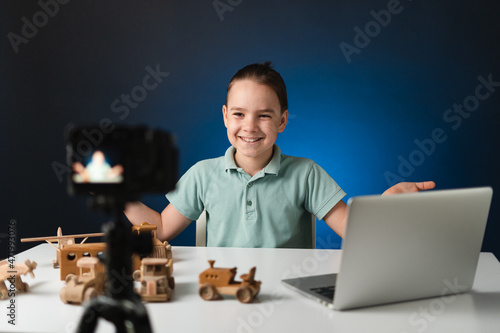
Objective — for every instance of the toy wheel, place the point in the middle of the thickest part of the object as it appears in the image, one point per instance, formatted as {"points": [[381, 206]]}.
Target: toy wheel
{"points": [[62, 295], [3, 290], [89, 294], [69, 277], [208, 292], [256, 290], [171, 282], [136, 275], [23, 287], [169, 294], [244, 294]]}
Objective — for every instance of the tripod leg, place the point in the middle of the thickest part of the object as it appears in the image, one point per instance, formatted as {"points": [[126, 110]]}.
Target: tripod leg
{"points": [[126, 315], [141, 320], [88, 322], [129, 325], [142, 325]]}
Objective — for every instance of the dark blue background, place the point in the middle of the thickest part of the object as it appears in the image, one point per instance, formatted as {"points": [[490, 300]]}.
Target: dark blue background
{"points": [[359, 120]]}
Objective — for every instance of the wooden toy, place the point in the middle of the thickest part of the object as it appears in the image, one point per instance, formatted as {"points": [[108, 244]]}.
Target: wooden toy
{"points": [[216, 281], [87, 285], [68, 251], [11, 272], [61, 241], [156, 279], [160, 249], [70, 254]]}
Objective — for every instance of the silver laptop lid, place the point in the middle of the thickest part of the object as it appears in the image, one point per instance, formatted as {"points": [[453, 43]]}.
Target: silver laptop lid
{"points": [[410, 246]]}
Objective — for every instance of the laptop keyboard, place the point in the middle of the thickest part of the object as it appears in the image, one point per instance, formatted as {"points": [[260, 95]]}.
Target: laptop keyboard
{"points": [[325, 291]]}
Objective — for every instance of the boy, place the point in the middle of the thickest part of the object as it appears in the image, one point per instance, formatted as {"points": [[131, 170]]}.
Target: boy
{"points": [[254, 196]]}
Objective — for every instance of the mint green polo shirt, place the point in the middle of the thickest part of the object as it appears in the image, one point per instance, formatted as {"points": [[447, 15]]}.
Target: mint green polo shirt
{"points": [[271, 209]]}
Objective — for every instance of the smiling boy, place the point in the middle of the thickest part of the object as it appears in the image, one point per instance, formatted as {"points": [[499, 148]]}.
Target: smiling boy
{"points": [[254, 196]]}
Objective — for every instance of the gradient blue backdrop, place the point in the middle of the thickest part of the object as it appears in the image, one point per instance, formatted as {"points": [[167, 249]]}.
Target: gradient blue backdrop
{"points": [[359, 120]]}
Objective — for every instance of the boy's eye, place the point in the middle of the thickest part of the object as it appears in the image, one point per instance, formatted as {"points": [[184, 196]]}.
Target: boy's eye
{"points": [[265, 116], [238, 114]]}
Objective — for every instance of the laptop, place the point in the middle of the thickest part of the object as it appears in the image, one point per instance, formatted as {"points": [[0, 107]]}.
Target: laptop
{"points": [[404, 247]]}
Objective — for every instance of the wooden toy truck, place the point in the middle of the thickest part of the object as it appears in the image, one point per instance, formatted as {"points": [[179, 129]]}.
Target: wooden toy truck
{"points": [[216, 281], [156, 279], [160, 249], [10, 273], [71, 254], [85, 286]]}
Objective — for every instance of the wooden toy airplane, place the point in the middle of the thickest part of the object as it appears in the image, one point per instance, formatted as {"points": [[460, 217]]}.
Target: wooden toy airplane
{"points": [[10, 274], [61, 240]]}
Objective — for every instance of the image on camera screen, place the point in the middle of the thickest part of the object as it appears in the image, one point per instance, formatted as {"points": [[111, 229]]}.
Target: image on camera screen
{"points": [[98, 169]]}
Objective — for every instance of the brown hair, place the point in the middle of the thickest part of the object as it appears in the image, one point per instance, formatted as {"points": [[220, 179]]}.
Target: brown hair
{"points": [[263, 74]]}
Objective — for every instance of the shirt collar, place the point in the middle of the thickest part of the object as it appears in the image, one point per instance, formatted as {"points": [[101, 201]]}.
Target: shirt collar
{"points": [[273, 167], [229, 162]]}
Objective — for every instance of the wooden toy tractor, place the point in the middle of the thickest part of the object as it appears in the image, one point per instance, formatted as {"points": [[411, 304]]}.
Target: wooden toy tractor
{"points": [[89, 284], [156, 279], [216, 281]]}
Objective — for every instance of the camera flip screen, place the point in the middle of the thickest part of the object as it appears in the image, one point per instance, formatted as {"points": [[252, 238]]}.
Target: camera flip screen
{"points": [[124, 161], [104, 165]]}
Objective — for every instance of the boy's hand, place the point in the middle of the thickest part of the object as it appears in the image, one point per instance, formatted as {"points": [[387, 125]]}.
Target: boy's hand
{"points": [[407, 187]]}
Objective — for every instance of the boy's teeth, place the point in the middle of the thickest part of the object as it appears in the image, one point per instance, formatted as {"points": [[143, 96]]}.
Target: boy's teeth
{"points": [[250, 140]]}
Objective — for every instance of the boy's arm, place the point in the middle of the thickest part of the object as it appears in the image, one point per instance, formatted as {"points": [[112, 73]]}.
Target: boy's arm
{"points": [[169, 223], [336, 217]]}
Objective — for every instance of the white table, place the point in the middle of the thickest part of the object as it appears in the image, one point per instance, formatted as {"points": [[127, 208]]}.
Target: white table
{"points": [[277, 308]]}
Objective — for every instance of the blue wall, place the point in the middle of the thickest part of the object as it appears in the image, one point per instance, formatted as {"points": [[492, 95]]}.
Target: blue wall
{"points": [[366, 81]]}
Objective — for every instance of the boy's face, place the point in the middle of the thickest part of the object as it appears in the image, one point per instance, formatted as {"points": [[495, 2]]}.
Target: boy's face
{"points": [[98, 157], [253, 120]]}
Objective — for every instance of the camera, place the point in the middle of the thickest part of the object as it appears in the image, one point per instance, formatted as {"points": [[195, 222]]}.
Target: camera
{"points": [[117, 164], [120, 161]]}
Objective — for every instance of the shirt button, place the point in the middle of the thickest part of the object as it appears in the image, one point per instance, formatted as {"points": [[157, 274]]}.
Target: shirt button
{"points": [[249, 185], [249, 203]]}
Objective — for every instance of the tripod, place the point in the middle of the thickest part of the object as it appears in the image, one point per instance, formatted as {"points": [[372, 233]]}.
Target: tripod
{"points": [[120, 304]]}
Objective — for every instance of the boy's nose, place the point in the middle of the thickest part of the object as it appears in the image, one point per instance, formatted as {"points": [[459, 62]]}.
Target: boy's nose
{"points": [[250, 124]]}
